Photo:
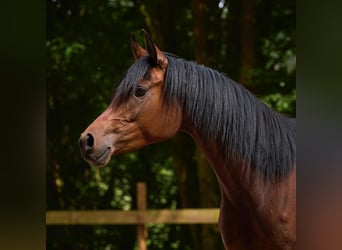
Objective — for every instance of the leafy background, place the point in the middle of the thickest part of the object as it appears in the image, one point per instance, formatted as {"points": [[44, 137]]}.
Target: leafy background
{"points": [[87, 46]]}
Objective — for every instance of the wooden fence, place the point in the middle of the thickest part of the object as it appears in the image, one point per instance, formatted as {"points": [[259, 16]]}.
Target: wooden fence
{"points": [[140, 217]]}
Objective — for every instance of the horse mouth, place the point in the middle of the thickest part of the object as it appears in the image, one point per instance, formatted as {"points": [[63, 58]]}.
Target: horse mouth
{"points": [[101, 159]]}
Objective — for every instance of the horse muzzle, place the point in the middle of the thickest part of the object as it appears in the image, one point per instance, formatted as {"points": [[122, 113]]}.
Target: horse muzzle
{"points": [[98, 155]]}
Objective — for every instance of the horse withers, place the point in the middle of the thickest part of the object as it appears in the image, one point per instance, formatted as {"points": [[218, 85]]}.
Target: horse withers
{"points": [[250, 147]]}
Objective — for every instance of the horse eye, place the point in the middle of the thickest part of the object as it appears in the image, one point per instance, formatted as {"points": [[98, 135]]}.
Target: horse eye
{"points": [[140, 91]]}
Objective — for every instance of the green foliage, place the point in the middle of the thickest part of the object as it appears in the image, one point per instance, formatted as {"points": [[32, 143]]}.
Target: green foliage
{"points": [[275, 75], [282, 103], [280, 54]]}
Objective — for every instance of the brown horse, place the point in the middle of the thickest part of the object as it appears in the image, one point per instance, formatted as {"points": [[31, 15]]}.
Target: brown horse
{"points": [[250, 147]]}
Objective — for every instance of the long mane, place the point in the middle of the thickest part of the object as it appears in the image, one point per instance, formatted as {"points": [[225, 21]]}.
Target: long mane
{"points": [[242, 126], [225, 113]]}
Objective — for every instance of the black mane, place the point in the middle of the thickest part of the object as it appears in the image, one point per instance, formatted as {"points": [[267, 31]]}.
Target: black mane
{"points": [[242, 126]]}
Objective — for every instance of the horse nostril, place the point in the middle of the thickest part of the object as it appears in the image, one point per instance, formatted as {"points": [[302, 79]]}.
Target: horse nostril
{"points": [[87, 143], [89, 140]]}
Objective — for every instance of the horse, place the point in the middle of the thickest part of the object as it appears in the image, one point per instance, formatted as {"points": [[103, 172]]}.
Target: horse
{"points": [[250, 147]]}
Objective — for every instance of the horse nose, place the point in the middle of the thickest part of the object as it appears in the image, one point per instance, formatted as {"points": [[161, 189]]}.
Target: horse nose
{"points": [[86, 143]]}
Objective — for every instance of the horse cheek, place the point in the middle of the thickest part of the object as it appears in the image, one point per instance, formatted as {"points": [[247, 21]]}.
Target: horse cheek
{"points": [[160, 127]]}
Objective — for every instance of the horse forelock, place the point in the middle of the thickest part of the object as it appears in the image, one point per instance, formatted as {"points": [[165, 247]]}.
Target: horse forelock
{"points": [[130, 79]]}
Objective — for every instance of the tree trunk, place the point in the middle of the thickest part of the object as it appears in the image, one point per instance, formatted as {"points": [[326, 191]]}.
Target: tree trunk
{"points": [[183, 150], [241, 40], [206, 31], [247, 40]]}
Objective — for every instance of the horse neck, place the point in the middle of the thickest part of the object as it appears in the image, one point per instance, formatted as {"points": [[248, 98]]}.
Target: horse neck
{"points": [[229, 177], [239, 187]]}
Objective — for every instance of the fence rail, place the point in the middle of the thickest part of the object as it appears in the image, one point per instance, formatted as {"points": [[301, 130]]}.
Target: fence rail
{"points": [[139, 217], [108, 217]]}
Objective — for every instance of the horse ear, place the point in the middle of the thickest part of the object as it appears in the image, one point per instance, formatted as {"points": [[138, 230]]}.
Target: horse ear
{"points": [[157, 56], [137, 50]]}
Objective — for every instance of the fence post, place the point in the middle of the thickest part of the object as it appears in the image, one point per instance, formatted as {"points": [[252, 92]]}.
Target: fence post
{"points": [[142, 205]]}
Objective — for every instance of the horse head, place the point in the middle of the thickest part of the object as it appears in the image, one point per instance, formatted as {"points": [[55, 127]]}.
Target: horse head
{"points": [[137, 115]]}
